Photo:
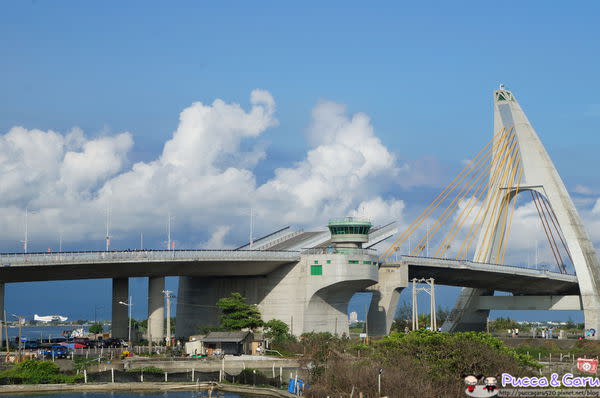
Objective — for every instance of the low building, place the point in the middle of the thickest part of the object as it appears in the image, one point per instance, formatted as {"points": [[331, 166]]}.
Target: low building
{"points": [[194, 346], [228, 343], [257, 346]]}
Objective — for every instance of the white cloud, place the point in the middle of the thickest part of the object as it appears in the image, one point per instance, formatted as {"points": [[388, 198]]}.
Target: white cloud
{"points": [[583, 190], [203, 177]]}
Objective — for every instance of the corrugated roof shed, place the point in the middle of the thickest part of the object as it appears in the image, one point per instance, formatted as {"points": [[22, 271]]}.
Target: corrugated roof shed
{"points": [[225, 337]]}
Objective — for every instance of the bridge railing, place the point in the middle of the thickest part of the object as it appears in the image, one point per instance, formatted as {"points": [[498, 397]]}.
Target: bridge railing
{"points": [[499, 267], [10, 259], [343, 250]]}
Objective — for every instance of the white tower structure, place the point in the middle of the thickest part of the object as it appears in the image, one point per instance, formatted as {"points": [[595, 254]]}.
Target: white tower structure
{"points": [[540, 175]]}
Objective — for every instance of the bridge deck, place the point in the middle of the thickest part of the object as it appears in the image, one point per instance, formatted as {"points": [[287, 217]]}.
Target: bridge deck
{"points": [[28, 267], [516, 280]]}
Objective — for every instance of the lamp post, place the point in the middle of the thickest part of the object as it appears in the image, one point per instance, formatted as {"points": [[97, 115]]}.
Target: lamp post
{"points": [[170, 218], [168, 296], [129, 304], [26, 241]]}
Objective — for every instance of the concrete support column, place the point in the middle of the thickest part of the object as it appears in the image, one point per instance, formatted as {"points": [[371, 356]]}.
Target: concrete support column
{"points": [[466, 314], [120, 319], [386, 293], [156, 307]]}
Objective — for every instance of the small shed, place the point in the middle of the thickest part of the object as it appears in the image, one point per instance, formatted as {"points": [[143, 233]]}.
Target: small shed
{"points": [[258, 344], [194, 346], [229, 343]]}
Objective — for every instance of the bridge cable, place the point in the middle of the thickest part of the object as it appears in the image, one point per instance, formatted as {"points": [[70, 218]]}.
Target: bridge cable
{"points": [[542, 219], [508, 218], [554, 220], [464, 214], [560, 262], [512, 211], [441, 197], [480, 217], [483, 254], [499, 209], [452, 206], [502, 222]]}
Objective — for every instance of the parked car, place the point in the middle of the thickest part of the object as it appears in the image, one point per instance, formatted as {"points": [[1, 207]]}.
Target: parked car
{"points": [[113, 343], [56, 351], [31, 345]]}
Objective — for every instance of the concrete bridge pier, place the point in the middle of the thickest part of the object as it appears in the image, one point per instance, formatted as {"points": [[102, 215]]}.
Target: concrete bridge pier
{"points": [[467, 314], [120, 312], [386, 293], [156, 308]]}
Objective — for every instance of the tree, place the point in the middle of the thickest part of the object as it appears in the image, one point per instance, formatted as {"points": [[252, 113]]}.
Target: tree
{"points": [[236, 314], [96, 328], [276, 329], [503, 324]]}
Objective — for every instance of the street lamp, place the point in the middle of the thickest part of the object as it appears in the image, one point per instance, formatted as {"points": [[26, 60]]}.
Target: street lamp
{"points": [[170, 218], [168, 296], [129, 305], [26, 241]]}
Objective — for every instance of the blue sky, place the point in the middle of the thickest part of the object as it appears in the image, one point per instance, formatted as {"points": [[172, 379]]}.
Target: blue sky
{"points": [[422, 72]]}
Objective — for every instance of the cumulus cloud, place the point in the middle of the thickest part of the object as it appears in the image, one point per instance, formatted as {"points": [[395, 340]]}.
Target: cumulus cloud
{"points": [[203, 177], [583, 190]]}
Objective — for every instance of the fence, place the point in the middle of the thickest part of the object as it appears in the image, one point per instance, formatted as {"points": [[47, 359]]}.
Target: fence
{"points": [[247, 376]]}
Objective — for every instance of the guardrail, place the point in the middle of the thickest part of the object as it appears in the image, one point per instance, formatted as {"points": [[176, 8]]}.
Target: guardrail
{"points": [[488, 266], [342, 250], [10, 259]]}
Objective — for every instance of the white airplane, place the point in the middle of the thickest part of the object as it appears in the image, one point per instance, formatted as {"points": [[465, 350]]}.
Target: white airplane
{"points": [[49, 318]]}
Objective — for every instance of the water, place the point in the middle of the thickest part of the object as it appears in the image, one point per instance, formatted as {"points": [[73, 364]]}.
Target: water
{"points": [[150, 394], [37, 332]]}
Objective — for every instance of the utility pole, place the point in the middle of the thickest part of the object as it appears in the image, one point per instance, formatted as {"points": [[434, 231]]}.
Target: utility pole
{"points": [[427, 242], [433, 319], [6, 332], [129, 304], [168, 296], [251, 227], [107, 228], [415, 309], [170, 217], [429, 289], [25, 241]]}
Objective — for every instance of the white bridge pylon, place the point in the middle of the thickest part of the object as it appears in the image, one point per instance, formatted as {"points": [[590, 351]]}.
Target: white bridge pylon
{"points": [[514, 162]]}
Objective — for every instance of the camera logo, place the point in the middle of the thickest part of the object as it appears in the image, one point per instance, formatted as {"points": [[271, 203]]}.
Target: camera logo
{"points": [[489, 388]]}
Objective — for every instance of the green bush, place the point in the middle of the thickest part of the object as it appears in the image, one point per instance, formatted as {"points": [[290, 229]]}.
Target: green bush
{"points": [[417, 364], [37, 372], [252, 376]]}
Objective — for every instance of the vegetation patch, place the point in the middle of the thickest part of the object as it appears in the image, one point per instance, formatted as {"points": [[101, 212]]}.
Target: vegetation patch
{"points": [[36, 372], [417, 364]]}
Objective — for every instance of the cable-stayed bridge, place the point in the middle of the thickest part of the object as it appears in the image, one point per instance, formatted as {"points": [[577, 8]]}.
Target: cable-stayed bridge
{"points": [[463, 238], [472, 219]]}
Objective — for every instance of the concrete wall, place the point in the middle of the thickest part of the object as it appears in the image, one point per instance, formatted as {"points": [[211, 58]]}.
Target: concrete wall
{"points": [[290, 293]]}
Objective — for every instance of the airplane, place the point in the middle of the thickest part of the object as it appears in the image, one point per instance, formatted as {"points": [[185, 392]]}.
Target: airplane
{"points": [[49, 318]]}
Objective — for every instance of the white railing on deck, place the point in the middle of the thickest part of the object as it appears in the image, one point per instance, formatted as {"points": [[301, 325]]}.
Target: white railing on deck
{"points": [[12, 259]]}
